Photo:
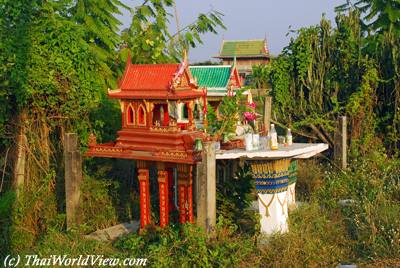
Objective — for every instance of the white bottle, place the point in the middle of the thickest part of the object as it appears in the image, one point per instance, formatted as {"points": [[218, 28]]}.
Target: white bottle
{"points": [[248, 141], [289, 137], [274, 138], [256, 141]]}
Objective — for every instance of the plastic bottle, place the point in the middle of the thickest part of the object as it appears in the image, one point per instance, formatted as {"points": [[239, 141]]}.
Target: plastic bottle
{"points": [[289, 137], [274, 138]]}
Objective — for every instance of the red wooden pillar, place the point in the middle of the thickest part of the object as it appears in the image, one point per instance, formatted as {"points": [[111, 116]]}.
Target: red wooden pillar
{"points": [[164, 204], [144, 190], [189, 191], [185, 194], [182, 199]]}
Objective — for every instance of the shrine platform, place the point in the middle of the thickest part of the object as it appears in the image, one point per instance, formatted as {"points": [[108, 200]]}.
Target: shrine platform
{"points": [[296, 150]]}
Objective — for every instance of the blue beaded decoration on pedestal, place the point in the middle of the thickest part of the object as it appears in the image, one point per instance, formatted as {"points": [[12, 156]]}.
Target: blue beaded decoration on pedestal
{"points": [[271, 176]]}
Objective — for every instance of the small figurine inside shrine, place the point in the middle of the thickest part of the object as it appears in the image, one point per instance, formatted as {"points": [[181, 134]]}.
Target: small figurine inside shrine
{"points": [[158, 103]]}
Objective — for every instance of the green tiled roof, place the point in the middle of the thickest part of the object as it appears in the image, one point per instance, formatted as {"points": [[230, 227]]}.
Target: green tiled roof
{"points": [[214, 76], [244, 48]]}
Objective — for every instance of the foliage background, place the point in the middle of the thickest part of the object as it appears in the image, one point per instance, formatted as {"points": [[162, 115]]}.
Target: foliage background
{"points": [[349, 69], [58, 58]]}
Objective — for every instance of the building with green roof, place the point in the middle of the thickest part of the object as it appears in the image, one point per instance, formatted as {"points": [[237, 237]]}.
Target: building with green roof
{"points": [[244, 54]]}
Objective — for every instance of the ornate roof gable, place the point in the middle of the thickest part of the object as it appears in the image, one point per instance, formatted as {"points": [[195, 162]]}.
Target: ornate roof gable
{"points": [[156, 81]]}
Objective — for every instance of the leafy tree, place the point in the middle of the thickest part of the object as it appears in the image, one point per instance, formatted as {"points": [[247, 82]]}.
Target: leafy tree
{"points": [[317, 74], [207, 62], [15, 23], [150, 40], [379, 15], [101, 30], [260, 74], [56, 58], [53, 83], [99, 20], [381, 26]]}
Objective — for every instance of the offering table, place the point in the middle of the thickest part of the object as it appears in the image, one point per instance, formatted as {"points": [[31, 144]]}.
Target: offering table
{"points": [[270, 170]]}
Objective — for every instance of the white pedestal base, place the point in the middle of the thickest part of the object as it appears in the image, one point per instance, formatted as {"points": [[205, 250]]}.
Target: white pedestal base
{"points": [[275, 219], [292, 195]]}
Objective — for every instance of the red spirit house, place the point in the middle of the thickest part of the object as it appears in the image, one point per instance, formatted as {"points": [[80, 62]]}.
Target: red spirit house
{"points": [[157, 103]]}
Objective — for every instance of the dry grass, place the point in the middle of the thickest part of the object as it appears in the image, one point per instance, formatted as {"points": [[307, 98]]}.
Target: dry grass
{"points": [[310, 177]]}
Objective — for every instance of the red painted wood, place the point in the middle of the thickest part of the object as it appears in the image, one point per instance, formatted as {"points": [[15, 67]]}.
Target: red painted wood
{"points": [[163, 196], [144, 87], [182, 201], [189, 189], [144, 190], [141, 116], [130, 115], [112, 152]]}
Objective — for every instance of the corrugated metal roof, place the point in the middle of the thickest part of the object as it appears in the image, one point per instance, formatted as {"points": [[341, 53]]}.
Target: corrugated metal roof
{"points": [[244, 48], [213, 76]]}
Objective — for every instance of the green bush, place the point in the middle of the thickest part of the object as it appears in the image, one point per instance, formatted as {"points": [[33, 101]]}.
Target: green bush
{"points": [[33, 212], [6, 202], [234, 197], [189, 246], [97, 208], [371, 187]]}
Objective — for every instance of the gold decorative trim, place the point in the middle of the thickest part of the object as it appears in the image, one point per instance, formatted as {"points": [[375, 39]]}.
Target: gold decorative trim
{"points": [[191, 105], [275, 182], [111, 150], [266, 205], [122, 106], [162, 176], [172, 129], [175, 155], [149, 105], [143, 174]]}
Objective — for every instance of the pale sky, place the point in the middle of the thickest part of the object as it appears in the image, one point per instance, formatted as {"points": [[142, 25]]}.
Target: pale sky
{"points": [[251, 19]]}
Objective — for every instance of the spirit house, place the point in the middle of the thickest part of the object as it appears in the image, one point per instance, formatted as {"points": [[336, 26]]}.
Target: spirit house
{"points": [[159, 103]]}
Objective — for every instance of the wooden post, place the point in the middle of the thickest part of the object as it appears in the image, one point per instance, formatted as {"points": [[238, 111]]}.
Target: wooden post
{"points": [[20, 162], [201, 193], [19, 168], [267, 112], [206, 188], [73, 177], [340, 146]]}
